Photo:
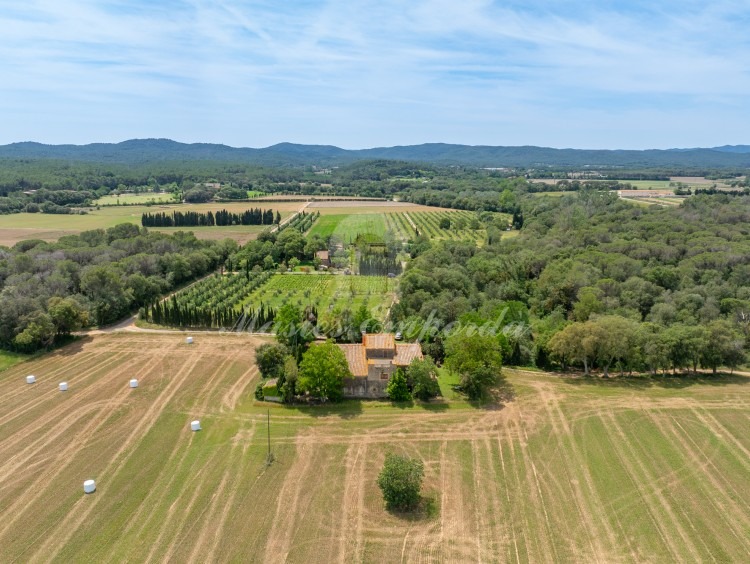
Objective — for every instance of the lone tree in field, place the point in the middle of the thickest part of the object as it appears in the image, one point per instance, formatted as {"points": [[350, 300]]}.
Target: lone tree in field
{"points": [[400, 480]]}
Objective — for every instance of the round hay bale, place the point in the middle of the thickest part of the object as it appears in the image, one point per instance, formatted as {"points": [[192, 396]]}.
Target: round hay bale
{"points": [[189, 340], [30, 379], [63, 386], [133, 383], [195, 425], [89, 486]]}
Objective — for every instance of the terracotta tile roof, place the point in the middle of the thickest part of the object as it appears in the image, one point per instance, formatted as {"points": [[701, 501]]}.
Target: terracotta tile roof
{"points": [[379, 341], [407, 352], [322, 255], [355, 357]]}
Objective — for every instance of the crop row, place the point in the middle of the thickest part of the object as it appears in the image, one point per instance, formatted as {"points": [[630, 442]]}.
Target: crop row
{"points": [[220, 291], [399, 225], [428, 223]]}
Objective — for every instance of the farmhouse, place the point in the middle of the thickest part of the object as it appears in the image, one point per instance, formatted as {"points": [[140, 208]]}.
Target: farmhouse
{"points": [[373, 362], [324, 258]]}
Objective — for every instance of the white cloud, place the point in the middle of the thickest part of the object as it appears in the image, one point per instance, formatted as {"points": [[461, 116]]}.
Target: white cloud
{"points": [[369, 73]]}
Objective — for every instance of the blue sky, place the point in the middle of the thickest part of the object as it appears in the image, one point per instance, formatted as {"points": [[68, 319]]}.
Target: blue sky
{"points": [[606, 74]]}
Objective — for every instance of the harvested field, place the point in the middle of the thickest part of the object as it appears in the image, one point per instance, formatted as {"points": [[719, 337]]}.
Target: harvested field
{"points": [[50, 227], [571, 470]]}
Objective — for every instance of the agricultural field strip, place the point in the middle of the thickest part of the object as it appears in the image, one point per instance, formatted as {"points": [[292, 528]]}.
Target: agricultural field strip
{"points": [[348, 226]]}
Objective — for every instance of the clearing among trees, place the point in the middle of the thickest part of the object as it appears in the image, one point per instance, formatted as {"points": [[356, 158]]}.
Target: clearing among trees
{"points": [[571, 470]]}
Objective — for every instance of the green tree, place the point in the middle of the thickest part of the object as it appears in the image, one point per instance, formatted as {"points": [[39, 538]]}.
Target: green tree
{"points": [[573, 345], [398, 389], [322, 372], [589, 302], [291, 330], [67, 315], [400, 480], [291, 375], [270, 358], [422, 376], [723, 346], [38, 332], [104, 287], [477, 359]]}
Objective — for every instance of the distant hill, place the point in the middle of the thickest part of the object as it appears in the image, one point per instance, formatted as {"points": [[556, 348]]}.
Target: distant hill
{"points": [[733, 148], [137, 151]]}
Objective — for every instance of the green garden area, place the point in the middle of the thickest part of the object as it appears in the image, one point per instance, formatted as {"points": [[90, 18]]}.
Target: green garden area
{"points": [[326, 292]]}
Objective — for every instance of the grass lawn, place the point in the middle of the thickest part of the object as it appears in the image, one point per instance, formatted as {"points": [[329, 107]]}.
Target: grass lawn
{"points": [[446, 381], [8, 359]]}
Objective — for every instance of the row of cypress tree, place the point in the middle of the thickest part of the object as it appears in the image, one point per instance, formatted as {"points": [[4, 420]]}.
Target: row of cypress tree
{"points": [[221, 218]]}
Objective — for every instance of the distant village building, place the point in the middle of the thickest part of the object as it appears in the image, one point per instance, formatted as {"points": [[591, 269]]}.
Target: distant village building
{"points": [[214, 185], [373, 362]]}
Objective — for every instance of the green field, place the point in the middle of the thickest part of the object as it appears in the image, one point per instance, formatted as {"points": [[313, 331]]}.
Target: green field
{"points": [[128, 199], [346, 227], [570, 470], [325, 292]]}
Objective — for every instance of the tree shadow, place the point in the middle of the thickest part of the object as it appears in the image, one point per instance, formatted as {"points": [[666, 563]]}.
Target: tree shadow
{"points": [[427, 509], [347, 409], [435, 405], [70, 345], [666, 381], [495, 399]]}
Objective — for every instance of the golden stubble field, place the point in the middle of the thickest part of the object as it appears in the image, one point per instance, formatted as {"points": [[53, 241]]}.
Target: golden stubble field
{"points": [[571, 470]]}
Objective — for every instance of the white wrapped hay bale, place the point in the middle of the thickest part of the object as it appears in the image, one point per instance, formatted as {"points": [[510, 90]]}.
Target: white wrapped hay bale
{"points": [[133, 383], [63, 386], [89, 486], [30, 379], [195, 425], [189, 340]]}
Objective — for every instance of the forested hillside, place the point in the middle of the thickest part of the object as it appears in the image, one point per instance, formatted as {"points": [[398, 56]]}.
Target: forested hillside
{"points": [[594, 281], [137, 151]]}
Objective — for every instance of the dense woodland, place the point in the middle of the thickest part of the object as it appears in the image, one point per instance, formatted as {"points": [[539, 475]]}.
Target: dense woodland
{"points": [[95, 278], [592, 281]]}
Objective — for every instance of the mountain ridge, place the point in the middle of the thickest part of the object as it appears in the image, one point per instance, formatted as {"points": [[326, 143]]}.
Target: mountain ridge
{"points": [[138, 151]]}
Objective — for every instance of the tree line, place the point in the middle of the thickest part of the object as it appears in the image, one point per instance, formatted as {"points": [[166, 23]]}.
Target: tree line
{"points": [[220, 218]]}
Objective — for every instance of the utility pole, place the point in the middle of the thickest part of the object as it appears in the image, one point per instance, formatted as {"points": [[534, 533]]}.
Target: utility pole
{"points": [[269, 456]]}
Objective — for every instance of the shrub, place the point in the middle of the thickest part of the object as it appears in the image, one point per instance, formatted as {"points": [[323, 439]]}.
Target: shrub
{"points": [[397, 388], [400, 480]]}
